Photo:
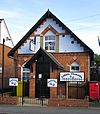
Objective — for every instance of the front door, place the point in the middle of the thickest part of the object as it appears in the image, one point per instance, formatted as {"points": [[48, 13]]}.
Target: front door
{"points": [[42, 74]]}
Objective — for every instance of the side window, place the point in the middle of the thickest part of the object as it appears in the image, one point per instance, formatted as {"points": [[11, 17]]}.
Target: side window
{"points": [[74, 67], [25, 72]]}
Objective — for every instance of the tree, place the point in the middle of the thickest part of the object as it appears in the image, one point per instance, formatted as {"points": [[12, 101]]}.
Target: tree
{"points": [[97, 58]]}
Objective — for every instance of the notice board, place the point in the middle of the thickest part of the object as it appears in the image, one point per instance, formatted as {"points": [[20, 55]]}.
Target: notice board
{"points": [[94, 90]]}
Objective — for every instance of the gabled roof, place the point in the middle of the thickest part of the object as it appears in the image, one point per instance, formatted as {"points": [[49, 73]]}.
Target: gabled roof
{"points": [[41, 52], [48, 14]]}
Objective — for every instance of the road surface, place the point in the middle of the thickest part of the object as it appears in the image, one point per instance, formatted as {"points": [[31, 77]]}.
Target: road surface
{"points": [[12, 109]]}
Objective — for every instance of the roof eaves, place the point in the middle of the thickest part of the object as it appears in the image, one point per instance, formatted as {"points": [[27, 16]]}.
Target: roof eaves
{"points": [[52, 58], [48, 14], [28, 33]]}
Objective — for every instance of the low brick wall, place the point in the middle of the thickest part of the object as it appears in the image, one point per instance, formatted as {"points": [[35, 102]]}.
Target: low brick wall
{"points": [[68, 102], [6, 99]]}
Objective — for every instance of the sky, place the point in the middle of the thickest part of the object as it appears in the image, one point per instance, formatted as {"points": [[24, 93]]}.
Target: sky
{"points": [[80, 16]]}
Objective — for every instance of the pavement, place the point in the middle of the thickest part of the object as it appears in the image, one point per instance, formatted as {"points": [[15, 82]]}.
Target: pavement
{"points": [[13, 109]]}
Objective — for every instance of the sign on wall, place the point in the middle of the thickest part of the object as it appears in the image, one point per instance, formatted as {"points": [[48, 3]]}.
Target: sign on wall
{"points": [[51, 82], [72, 76], [32, 45], [94, 90], [13, 81]]}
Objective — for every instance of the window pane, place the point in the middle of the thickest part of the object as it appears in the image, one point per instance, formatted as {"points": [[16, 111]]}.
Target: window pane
{"points": [[46, 37], [77, 67], [52, 48], [53, 43], [26, 69], [26, 74], [46, 48], [49, 42], [51, 37], [72, 68], [46, 45]]}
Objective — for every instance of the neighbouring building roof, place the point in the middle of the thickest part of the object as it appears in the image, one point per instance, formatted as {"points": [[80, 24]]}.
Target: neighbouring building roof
{"points": [[48, 14], [41, 52]]}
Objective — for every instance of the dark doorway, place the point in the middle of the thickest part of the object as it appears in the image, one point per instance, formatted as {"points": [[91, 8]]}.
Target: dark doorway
{"points": [[42, 74]]}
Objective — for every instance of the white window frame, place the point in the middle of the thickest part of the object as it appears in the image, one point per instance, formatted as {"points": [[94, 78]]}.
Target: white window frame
{"points": [[22, 71], [49, 50], [74, 64]]}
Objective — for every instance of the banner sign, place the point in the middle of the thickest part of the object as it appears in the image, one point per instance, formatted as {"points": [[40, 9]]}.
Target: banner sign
{"points": [[72, 76], [52, 83], [13, 81]]}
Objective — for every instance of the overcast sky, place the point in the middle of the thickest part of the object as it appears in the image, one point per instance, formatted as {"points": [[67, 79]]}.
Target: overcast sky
{"points": [[81, 16]]}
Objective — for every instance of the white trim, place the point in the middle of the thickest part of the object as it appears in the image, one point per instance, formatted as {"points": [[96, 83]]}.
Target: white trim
{"points": [[48, 41], [74, 64], [23, 71]]}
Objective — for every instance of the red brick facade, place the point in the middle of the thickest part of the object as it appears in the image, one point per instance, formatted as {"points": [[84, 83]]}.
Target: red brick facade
{"points": [[65, 59], [8, 63], [6, 99], [59, 60], [82, 59], [68, 102]]}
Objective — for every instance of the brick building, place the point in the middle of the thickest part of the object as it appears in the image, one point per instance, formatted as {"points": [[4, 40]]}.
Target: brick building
{"points": [[8, 66], [53, 59]]}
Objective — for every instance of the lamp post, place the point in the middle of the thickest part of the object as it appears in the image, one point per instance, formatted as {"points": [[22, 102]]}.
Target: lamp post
{"points": [[3, 66]]}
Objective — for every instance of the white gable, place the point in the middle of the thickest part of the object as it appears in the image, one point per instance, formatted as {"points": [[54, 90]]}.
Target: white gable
{"points": [[49, 22], [25, 49], [68, 44]]}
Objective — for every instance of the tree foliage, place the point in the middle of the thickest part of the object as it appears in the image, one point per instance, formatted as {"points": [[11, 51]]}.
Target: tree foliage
{"points": [[97, 58]]}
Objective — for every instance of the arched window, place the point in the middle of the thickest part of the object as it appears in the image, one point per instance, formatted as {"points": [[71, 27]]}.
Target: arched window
{"points": [[25, 72], [74, 67]]}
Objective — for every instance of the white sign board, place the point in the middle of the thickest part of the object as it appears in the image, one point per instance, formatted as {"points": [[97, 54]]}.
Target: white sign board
{"points": [[13, 81], [52, 83], [40, 76], [72, 76], [32, 46]]}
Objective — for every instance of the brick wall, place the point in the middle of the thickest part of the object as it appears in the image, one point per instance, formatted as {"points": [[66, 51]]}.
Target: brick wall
{"points": [[6, 99], [8, 66], [66, 59], [32, 81], [8, 62], [68, 102]]}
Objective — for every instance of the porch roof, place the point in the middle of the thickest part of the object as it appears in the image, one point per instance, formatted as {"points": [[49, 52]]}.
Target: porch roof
{"points": [[41, 52]]}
